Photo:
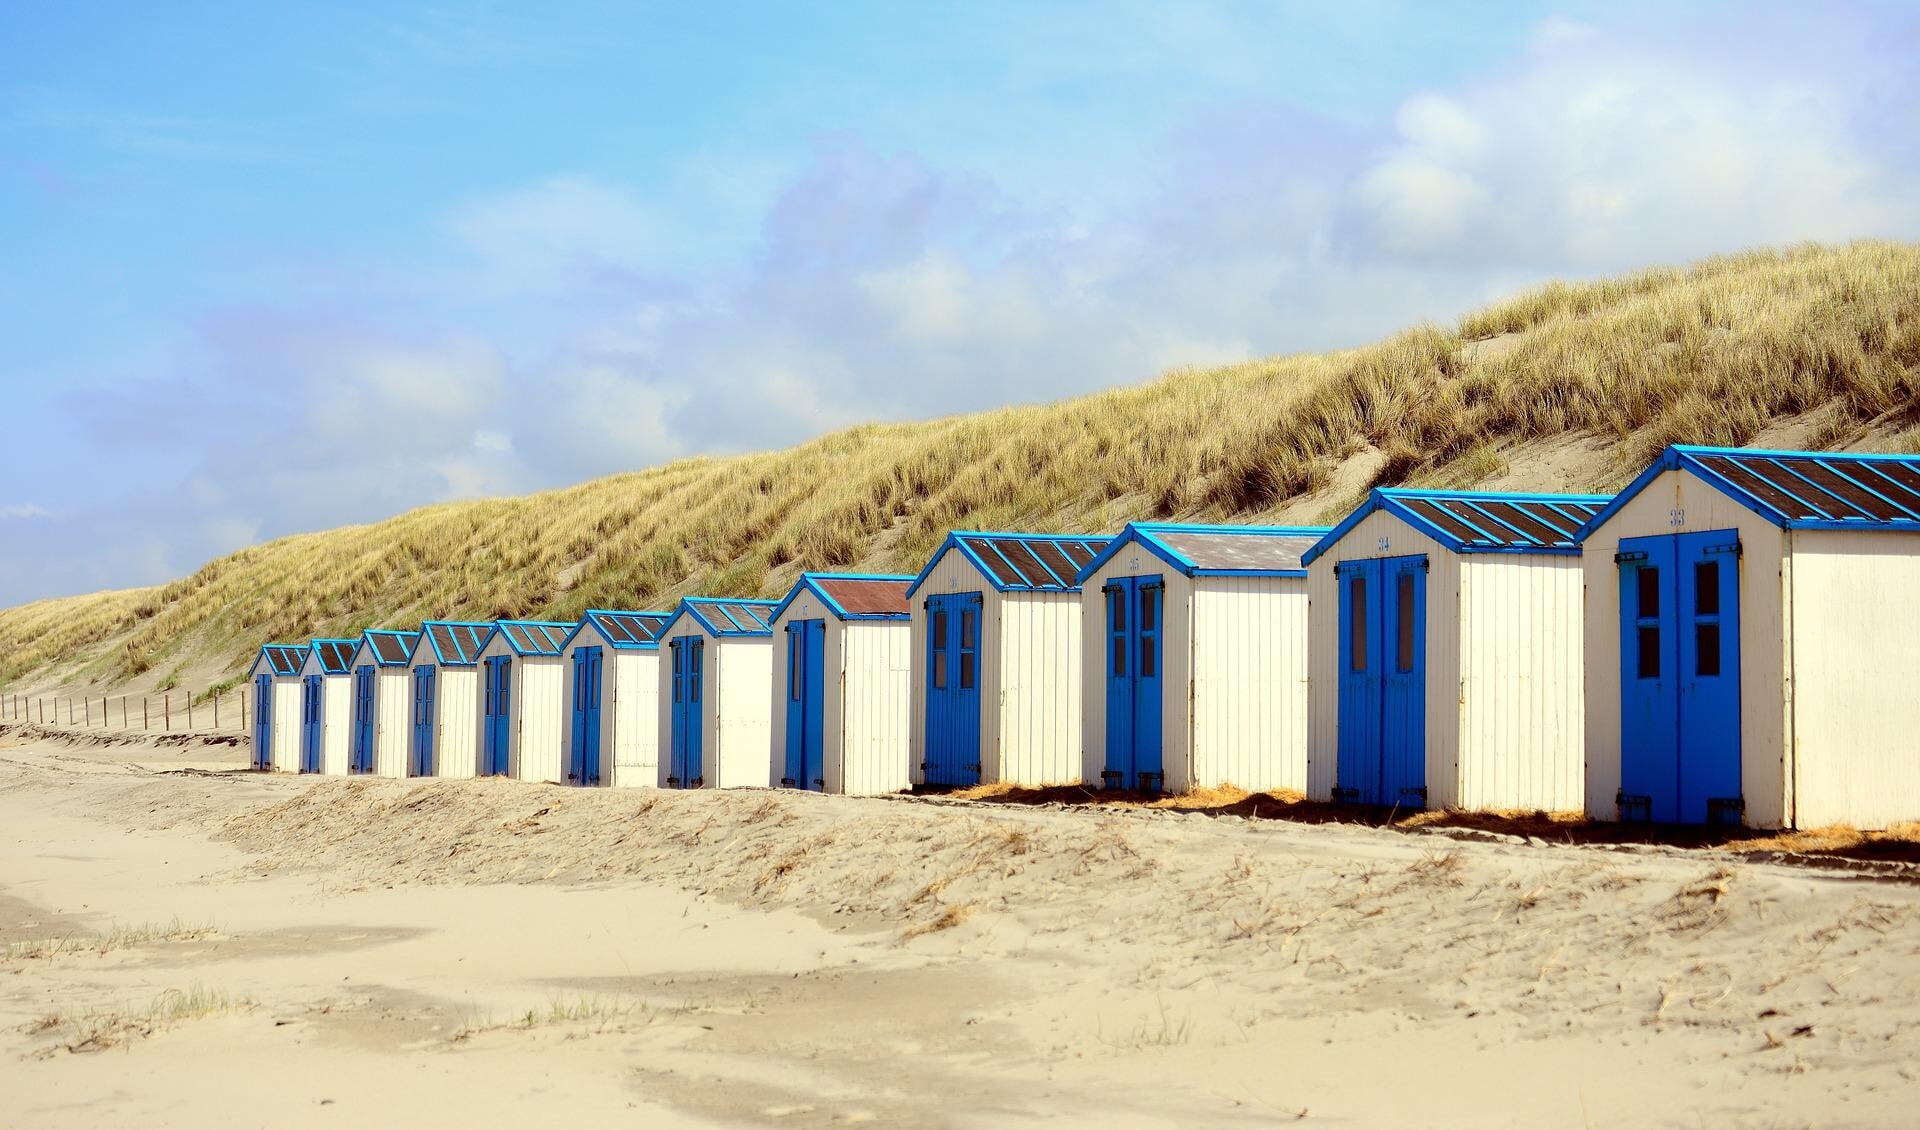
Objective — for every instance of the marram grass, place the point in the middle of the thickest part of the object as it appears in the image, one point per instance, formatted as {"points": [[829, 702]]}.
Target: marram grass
{"points": [[1707, 354]]}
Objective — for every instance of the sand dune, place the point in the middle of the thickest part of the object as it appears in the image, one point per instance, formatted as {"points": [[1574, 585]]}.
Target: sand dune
{"points": [[322, 952]]}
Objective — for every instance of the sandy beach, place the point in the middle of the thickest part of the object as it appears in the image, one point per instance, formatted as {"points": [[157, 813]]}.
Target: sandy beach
{"points": [[192, 945]]}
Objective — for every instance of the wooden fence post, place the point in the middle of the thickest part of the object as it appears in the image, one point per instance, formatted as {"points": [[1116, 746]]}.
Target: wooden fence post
{"points": [[146, 722], [166, 704], [189, 710]]}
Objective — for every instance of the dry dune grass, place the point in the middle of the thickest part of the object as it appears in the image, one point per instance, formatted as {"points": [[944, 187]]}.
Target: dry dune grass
{"points": [[1710, 353]]}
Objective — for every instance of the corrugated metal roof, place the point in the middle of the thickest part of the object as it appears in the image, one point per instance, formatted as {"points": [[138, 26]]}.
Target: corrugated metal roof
{"points": [[335, 655], [284, 659], [1202, 550], [1798, 489], [456, 643], [867, 596], [722, 616], [628, 629], [1480, 521], [1016, 562], [391, 648], [535, 637]]}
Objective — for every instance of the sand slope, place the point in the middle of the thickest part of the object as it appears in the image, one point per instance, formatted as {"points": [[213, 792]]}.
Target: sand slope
{"points": [[484, 953]]}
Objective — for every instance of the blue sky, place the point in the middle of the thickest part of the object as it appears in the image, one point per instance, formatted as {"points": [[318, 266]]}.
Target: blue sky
{"points": [[268, 268]]}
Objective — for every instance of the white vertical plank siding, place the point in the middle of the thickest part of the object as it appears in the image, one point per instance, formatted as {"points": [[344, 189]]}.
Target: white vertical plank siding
{"points": [[630, 701], [392, 720], [456, 717], [738, 702], [286, 723], [1856, 714], [539, 727], [1380, 534], [876, 671], [1039, 659], [1522, 699], [336, 723], [953, 573], [1248, 644], [1677, 502]]}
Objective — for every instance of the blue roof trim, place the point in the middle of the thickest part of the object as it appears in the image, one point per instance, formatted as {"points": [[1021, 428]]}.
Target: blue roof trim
{"points": [[427, 634], [1686, 457], [956, 539], [591, 616], [410, 639], [314, 649], [805, 583], [1390, 499], [691, 606], [1144, 533], [282, 656], [499, 629]]}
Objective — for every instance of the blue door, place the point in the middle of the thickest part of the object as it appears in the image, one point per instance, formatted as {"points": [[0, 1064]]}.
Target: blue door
{"points": [[689, 657], [953, 691], [1680, 678], [806, 704], [263, 722], [1383, 670], [422, 722], [583, 751], [362, 761], [496, 716], [1134, 657], [310, 689]]}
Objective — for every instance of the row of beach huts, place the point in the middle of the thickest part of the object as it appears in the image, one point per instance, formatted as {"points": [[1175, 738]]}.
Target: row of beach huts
{"points": [[1733, 639]]}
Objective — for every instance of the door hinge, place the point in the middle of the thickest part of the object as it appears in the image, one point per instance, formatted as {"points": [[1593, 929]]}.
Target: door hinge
{"points": [[1634, 809], [1346, 796], [1730, 547], [786, 782], [1632, 555], [1110, 778], [1151, 782], [1726, 811]]}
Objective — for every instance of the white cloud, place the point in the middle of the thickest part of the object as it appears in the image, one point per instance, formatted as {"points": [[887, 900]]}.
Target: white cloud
{"points": [[21, 510]]}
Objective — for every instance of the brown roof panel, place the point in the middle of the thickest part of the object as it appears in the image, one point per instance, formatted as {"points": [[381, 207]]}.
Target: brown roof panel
{"points": [[867, 596], [1238, 550]]}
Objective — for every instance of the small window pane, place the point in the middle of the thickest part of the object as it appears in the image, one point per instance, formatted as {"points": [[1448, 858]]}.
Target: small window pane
{"points": [[966, 670], [1403, 661], [1357, 624], [940, 669], [1149, 600], [1706, 588], [966, 629], [793, 667], [939, 629], [1146, 657], [1706, 646], [1119, 611], [1120, 655], [1648, 582], [1649, 660]]}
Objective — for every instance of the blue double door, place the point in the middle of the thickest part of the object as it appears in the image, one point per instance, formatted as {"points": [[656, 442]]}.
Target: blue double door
{"points": [[312, 690], [423, 692], [496, 716], [583, 746], [263, 721], [806, 705], [1382, 756], [688, 658], [1680, 678], [361, 759], [953, 690], [1135, 657]]}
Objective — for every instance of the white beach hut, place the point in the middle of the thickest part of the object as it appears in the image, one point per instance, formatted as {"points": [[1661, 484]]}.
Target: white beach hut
{"points": [[522, 693], [613, 679], [446, 699], [1195, 641], [715, 701], [275, 676], [996, 644], [1445, 652], [1751, 637], [382, 716], [326, 706], [843, 684]]}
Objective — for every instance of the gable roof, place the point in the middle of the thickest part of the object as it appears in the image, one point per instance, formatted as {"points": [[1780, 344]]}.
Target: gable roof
{"points": [[1796, 490], [390, 648], [455, 643], [626, 631], [1467, 521], [335, 655], [853, 596], [283, 659], [1214, 551], [725, 616], [530, 637], [1014, 562]]}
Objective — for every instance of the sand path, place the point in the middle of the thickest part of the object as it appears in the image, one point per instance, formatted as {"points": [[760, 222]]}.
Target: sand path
{"points": [[485, 953]]}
